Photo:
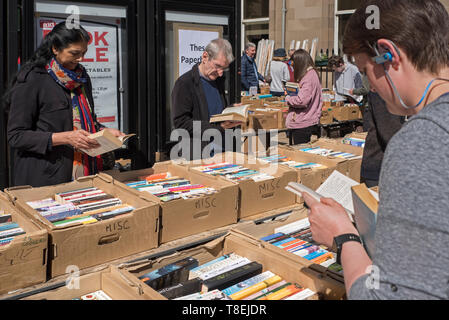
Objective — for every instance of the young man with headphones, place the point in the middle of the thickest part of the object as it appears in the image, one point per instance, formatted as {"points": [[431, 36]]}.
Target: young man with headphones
{"points": [[407, 63]]}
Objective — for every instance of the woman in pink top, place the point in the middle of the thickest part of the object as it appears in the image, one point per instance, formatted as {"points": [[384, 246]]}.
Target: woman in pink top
{"points": [[305, 107]]}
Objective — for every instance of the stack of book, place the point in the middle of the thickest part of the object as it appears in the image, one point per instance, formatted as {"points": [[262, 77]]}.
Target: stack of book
{"points": [[354, 142], [277, 158], [229, 277], [233, 172], [167, 187], [8, 229], [296, 238], [328, 152], [83, 206]]}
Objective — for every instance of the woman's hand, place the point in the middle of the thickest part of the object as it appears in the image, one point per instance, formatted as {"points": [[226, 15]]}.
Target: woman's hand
{"points": [[328, 219], [77, 139], [115, 132]]}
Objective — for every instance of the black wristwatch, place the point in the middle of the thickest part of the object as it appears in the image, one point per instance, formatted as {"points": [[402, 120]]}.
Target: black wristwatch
{"points": [[338, 243]]}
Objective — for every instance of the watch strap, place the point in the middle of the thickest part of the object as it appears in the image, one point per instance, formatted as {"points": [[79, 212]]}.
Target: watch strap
{"points": [[341, 239]]}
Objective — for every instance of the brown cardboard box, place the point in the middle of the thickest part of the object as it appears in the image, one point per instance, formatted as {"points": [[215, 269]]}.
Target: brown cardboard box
{"points": [[327, 116], [181, 218], [93, 244], [264, 120], [340, 113], [111, 280], [264, 89], [285, 266], [353, 112], [311, 178], [23, 262], [256, 232], [262, 196], [352, 167]]}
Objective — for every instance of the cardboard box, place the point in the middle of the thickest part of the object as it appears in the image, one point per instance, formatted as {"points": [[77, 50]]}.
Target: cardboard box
{"points": [[264, 89], [111, 280], [340, 113], [312, 177], [327, 116], [351, 167], [257, 231], [181, 218], [257, 197], [286, 267], [23, 262], [354, 112], [268, 120], [93, 244]]}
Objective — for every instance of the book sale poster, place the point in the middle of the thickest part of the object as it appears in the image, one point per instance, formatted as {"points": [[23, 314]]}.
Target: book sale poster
{"points": [[191, 42], [101, 63]]}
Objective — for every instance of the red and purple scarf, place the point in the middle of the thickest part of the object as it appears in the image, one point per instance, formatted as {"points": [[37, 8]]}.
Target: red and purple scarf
{"points": [[74, 81]]}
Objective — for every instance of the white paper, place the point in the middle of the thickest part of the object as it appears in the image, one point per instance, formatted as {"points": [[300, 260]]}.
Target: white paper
{"points": [[338, 187]]}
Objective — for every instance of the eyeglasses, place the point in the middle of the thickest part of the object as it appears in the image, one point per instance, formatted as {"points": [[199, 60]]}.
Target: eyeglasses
{"points": [[219, 68]]}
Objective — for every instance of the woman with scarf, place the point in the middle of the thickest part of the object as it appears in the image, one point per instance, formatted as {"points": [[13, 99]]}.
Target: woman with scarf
{"points": [[51, 113]]}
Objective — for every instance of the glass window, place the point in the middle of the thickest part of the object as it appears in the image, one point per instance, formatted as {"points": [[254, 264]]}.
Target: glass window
{"points": [[348, 4], [254, 9], [256, 32], [105, 58], [185, 39]]}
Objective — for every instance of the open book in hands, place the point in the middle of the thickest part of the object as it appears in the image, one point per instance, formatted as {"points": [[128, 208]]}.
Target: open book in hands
{"points": [[107, 141], [239, 114], [359, 202]]}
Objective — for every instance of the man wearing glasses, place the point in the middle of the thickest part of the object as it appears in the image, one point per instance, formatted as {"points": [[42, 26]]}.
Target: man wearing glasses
{"points": [[200, 93]]}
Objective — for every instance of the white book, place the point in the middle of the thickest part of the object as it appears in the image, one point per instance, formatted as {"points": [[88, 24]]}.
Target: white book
{"points": [[338, 186], [294, 226], [233, 265], [302, 295], [214, 266]]}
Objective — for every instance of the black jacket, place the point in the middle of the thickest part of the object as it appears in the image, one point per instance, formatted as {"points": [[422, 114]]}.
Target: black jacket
{"points": [[381, 126], [189, 104], [40, 107], [249, 77]]}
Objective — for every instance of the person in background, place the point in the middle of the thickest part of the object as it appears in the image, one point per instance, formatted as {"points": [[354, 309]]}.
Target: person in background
{"points": [[289, 64], [200, 94], [381, 126], [410, 259], [347, 77], [250, 77], [279, 73], [51, 113], [304, 107]]}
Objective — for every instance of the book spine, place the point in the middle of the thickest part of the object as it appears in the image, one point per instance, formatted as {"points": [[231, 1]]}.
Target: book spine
{"points": [[247, 283], [301, 295], [8, 226], [11, 233], [233, 265], [262, 292], [5, 218], [232, 277], [255, 288], [182, 289], [220, 263], [204, 265]]}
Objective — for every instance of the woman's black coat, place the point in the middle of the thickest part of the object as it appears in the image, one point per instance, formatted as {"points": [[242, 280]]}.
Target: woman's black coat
{"points": [[40, 107]]}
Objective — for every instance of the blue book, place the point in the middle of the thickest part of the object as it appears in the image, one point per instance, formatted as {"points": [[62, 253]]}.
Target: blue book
{"points": [[8, 226], [283, 241], [272, 236]]}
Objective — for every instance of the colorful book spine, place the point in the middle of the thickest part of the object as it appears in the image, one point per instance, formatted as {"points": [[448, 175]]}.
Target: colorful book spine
{"points": [[248, 283], [255, 288], [262, 292]]}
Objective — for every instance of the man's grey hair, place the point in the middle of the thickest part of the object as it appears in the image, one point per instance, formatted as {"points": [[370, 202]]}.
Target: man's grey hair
{"points": [[217, 46], [250, 45]]}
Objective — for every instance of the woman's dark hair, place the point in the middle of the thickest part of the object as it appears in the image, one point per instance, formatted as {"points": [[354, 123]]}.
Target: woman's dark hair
{"points": [[59, 38], [301, 62]]}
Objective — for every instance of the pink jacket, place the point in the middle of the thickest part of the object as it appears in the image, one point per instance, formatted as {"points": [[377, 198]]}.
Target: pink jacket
{"points": [[305, 108]]}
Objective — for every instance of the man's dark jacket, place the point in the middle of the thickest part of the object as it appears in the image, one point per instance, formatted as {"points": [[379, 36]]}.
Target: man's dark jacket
{"points": [[189, 104], [40, 107], [249, 78], [381, 126]]}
